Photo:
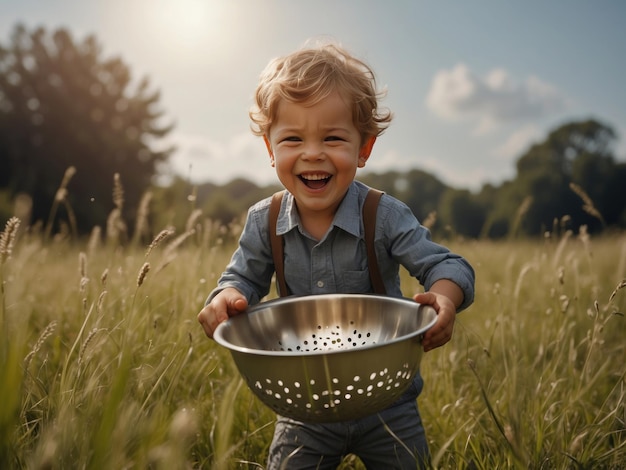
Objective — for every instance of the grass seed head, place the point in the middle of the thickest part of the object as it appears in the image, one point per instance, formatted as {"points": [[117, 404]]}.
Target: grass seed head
{"points": [[620, 286], [45, 334], [85, 344], [101, 301], [116, 227], [588, 205], [163, 234], [118, 191], [104, 276], [142, 273], [7, 238]]}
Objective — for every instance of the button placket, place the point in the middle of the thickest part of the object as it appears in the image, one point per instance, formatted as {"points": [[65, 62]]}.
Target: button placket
{"points": [[321, 269]]}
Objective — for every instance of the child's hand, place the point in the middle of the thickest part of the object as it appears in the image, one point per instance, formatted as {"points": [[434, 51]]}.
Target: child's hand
{"points": [[227, 303], [441, 331]]}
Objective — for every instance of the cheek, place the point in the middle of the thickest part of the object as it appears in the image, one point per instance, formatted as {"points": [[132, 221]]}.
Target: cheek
{"points": [[282, 162], [347, 161], [285, 154]]}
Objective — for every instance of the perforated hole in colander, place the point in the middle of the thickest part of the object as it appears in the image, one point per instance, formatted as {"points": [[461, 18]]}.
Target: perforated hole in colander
{"points": [[326, 338], [328, 358], [287, 397]]}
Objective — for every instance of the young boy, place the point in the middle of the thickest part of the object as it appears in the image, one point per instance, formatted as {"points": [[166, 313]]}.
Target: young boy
{"points": [[317, 111]]}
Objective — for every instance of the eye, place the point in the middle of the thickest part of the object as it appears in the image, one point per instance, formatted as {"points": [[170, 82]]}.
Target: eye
{"points": [[334, 138], [292, 138]]}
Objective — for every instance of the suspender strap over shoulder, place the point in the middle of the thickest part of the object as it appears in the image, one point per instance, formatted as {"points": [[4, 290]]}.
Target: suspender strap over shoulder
{"points": [[370, 207], [277, 245]]}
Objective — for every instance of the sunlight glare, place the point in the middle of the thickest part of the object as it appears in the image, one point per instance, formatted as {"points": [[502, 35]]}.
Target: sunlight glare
{"points": [[187, 23]]}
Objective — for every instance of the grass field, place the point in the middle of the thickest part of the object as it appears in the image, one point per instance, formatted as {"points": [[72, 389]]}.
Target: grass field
{"points": [[103, 365]]}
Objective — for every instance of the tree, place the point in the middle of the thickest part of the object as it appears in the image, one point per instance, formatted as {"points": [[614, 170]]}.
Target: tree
{"points": [[420, 190], [462, 212], [62, 105], [580, 153], [594, 168]]}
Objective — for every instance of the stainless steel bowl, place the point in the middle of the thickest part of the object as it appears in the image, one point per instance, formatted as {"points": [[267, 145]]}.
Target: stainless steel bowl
{"points": [[325, 358]]}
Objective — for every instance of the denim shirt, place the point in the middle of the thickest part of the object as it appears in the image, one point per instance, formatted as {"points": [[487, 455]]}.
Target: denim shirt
{"points": [[338, 262]]}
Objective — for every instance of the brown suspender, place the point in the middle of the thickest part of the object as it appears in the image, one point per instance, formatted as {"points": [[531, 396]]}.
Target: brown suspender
{"points": [[370, 207], [277, 245]]}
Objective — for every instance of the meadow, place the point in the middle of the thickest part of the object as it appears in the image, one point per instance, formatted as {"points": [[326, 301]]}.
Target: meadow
{"points": [[103, 364]]}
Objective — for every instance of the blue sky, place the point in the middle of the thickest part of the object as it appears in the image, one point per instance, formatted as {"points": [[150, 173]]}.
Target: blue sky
{"points": [[472, 84]]}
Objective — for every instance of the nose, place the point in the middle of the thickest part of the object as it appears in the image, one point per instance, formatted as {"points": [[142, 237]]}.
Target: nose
{"points": [[313, 151]]}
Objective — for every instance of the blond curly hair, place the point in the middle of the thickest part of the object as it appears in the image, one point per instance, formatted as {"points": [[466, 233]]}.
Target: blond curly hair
{"points": [[311, 74]]}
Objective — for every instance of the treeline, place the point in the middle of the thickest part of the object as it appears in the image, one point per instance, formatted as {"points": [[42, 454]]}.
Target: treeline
{"points": [[570, 179], [81, 144]]}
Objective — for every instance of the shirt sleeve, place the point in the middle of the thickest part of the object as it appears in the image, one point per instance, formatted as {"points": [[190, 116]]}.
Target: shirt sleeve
{"points": [[251, 267], [409, 243]]}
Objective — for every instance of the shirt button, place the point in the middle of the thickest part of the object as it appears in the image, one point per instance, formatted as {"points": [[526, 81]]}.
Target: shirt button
{"points": [[320, 284]]}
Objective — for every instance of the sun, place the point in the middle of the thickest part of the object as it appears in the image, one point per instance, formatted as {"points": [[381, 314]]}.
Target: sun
{"points": [[187, 22]]}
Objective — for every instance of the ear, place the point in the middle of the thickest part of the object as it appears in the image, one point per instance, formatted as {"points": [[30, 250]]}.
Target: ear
{"points": [[366, 150], [269, 149]]}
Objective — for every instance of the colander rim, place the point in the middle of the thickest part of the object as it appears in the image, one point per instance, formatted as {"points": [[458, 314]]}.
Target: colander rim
{"points": [[218, 334]]}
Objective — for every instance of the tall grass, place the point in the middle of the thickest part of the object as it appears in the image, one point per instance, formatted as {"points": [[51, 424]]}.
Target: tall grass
{"points": [[103, 365], [535, 375]]}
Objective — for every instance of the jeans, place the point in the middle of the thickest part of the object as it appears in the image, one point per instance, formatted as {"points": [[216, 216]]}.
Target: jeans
{"points": [[391, 439]]}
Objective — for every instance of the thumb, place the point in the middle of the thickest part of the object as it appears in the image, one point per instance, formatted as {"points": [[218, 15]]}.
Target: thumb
{"points": [[427, 298], [238, 305]]}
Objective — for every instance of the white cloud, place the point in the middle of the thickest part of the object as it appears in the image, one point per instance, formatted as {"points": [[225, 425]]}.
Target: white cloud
{"points": [[492, 100], [201, 159]]}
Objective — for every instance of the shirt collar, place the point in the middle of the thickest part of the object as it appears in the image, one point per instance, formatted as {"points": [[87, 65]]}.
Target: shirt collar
{"points": [[347, 218]]}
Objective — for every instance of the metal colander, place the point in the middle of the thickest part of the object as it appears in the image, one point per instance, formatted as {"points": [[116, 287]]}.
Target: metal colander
{"points": [[325, 358]]}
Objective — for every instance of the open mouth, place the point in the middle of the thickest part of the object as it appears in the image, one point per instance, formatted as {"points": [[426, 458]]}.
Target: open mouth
{"points": [[315, 181]]}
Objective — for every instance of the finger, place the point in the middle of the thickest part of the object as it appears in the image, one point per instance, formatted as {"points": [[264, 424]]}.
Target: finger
{"points": [[205, 324], [426, 298], [238, 305], [434, 340], [431, 340], [209, 318], [440, 333]]}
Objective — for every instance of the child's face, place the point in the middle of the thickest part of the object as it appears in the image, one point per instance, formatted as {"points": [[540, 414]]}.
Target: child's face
{"points": [[316, 151]]}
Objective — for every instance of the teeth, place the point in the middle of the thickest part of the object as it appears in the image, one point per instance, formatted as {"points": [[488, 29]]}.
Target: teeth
{"points": [[315, 177]]}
